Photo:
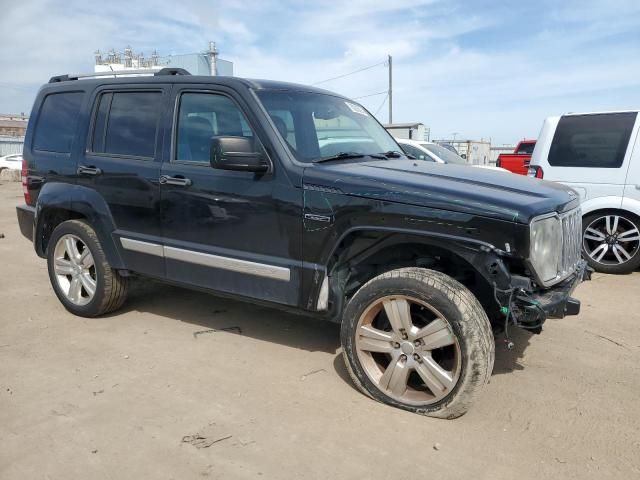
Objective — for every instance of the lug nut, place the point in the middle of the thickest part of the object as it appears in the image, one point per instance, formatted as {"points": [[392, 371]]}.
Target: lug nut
{"points": [[416, 357], [417, 343], [396, 345], [403, 358]]}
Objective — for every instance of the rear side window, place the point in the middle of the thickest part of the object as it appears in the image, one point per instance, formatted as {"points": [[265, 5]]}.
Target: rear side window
{"points": [[57, 122], [591, 141], [126, 123]]}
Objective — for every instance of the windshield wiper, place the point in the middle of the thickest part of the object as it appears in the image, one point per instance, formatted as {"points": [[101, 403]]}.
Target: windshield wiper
{"points": [[346, 156], [393, 154]]}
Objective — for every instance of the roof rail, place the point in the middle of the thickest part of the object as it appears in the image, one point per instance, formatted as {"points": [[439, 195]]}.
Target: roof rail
{"points": [[119, 73], [171, 71]]}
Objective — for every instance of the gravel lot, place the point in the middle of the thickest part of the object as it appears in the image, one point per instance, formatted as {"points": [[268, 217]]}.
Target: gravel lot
{"points": [[154, 392]]}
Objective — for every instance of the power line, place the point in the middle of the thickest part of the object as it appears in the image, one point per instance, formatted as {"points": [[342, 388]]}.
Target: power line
{"points": [[370, 95], [350, 73], [381, 105]]}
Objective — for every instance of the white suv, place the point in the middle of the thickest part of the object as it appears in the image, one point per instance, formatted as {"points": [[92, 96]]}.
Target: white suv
{"points": [[597, 154]]}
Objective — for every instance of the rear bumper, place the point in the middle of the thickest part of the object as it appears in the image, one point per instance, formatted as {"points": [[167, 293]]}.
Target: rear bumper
{"points": [[557, 302], [26, 220]]}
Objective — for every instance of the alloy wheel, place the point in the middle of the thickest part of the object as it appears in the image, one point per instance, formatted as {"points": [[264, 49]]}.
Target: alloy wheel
{"points": [[408, 350], [611, 240], [75, 270]]}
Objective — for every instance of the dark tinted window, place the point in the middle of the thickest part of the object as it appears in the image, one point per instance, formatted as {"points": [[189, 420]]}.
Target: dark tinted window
{"points": [[202, 116], [591, 141], [131, 123], [57, 122], [526, 148]]}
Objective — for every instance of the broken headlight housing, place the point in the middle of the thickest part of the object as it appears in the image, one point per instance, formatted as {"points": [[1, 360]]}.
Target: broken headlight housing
{"points": [[546, 247]]}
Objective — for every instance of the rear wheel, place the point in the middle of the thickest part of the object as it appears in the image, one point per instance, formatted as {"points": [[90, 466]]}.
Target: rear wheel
{"points": [[418, 340], [611, 242], [79, 272]]}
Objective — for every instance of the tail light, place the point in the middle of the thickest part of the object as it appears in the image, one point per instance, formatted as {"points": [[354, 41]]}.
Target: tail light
{"points": [[535, 172], [25, 187]]}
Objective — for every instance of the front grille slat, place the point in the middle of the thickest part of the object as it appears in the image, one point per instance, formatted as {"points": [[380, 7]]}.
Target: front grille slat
{"points": [[571, 241]]}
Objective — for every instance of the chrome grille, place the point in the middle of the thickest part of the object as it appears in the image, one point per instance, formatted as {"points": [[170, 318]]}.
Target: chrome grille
{"points": [[571, 241]]}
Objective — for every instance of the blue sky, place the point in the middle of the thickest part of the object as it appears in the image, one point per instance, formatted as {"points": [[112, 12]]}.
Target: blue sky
{"points": [[482, 69]]}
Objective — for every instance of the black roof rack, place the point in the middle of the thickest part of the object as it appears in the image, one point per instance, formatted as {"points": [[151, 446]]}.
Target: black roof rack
{"points": [[171, 71], [119, 73]]}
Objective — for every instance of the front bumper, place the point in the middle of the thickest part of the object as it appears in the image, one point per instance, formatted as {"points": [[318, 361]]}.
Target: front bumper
{"points": [[532, 309], [26, 220]]}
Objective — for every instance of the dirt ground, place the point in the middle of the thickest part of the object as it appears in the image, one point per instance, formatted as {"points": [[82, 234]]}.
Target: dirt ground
{"points": [[152, 392]]}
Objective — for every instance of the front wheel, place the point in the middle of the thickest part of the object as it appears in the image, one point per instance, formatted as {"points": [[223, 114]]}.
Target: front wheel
{"points": [[611, 242], [79, 272], [418, 340]]}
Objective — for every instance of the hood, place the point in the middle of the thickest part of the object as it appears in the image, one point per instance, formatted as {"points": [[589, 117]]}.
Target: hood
{"points": [[458, 188]]}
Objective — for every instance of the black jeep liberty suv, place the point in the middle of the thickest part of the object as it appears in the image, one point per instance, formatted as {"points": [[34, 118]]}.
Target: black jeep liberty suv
{"points": [[297, 198]]}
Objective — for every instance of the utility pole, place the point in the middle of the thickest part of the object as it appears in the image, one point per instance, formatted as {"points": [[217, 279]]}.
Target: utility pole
{"points": [[213, 56], [390, 63]]}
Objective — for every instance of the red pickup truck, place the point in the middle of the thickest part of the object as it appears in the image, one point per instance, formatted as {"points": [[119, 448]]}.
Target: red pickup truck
{"points": [[518, 161]]}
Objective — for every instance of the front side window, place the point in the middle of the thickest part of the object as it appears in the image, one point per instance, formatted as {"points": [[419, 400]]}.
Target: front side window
{"points": [[202, 116], [57, 122], [126, 123], [591, 141], [317, 125]]}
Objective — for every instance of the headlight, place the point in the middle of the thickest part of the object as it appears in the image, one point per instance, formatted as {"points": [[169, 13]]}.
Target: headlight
{"points": [[546, 247]]}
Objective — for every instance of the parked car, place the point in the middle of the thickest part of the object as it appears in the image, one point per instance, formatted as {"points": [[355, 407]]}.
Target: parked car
{"points": [[12, 162], [518, 161], [436, 153], [597, 155], [227, 191]]}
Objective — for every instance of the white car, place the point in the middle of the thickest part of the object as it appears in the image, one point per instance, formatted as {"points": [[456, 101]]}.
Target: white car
{"points": [[598, 156], [433, 152], [12, 162]]}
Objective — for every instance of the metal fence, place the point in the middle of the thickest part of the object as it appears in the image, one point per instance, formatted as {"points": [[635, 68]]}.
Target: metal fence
{"points": [[10, 145]]}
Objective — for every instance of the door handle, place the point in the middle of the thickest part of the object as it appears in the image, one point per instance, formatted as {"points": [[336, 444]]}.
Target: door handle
{"points": [[179, 181], [82, 170]]}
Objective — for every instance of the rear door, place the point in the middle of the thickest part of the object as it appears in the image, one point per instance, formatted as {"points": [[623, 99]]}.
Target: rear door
{"points": [[122, 163], [591, 153]]}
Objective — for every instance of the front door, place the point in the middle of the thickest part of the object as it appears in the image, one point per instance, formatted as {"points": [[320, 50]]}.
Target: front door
{"points": [[231, 231]]}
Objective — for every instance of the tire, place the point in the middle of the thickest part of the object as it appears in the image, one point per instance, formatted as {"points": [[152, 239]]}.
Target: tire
{"points": [[438, 304], [89, 269], [611, 241]]}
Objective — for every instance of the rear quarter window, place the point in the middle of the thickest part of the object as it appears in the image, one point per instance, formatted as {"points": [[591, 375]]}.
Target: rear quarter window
{"points": [[592, 141], [56, 125]]}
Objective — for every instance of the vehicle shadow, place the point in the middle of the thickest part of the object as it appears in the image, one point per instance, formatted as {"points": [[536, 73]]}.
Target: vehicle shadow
{"points": [[507, 360], [208, 312]]}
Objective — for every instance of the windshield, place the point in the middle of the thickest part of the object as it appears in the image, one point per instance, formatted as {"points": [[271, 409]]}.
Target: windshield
{"points": [[317, 125], [446, 155]]}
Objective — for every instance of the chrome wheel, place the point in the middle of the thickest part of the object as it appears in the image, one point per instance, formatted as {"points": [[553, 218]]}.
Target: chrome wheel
{"points": [[408, 350], [75, 270], [611, 240]]}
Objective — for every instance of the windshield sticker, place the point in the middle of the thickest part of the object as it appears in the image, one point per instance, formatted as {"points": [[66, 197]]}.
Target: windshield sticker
{"points": [[356, 108]]}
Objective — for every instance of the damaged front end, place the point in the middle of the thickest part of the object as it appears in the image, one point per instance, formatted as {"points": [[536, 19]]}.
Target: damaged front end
{"points": [[528, 306]]}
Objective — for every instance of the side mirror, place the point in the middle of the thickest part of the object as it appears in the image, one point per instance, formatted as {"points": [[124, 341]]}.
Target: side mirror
{"points": [[236, 153]]}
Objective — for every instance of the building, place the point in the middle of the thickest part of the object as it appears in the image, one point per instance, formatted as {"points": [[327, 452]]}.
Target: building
{"points": [[13, 125], [200, 63], [409, 131]]}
